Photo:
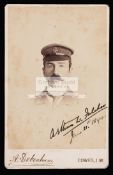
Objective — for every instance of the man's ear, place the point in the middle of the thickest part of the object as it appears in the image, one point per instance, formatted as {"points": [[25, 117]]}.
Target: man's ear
{"points": [[43, 71], [71, 69]]}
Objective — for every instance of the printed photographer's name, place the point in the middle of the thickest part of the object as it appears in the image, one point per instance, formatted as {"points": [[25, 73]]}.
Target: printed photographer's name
{"points": [[30, 159]]}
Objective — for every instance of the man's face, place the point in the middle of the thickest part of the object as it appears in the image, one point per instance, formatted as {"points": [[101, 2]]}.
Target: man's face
{"points": [[55, 71], [56, 68]]}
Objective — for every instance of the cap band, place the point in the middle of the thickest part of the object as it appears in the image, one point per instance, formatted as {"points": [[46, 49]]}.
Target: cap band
{"points": [[56, 58]]}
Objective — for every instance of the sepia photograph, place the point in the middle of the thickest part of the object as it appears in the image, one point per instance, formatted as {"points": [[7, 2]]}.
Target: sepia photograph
{"points": [[56, 86]]}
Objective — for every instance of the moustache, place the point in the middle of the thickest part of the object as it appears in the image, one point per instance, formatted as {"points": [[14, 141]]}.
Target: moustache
{"points": [[56, 77]]}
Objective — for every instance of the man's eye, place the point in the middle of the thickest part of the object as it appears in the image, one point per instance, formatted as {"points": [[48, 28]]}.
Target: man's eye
{"points": [[61, 65], [49, 65]]}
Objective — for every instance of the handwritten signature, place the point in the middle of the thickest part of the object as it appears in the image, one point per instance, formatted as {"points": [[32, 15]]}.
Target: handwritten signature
{"points": [[71, 125]]}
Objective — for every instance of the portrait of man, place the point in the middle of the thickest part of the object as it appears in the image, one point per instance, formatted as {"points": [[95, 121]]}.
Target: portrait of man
{"points": [[56, 69]]}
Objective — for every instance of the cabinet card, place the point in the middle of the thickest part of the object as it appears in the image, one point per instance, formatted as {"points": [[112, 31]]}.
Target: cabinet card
{"points": [[56, 86]]}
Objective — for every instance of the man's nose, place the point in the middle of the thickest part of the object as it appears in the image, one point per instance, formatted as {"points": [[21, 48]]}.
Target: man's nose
{"points": [[56, 71]]}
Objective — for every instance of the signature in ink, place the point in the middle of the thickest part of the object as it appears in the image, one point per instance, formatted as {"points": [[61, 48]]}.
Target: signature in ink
{"points": [[64, 126], [69, 126]]}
